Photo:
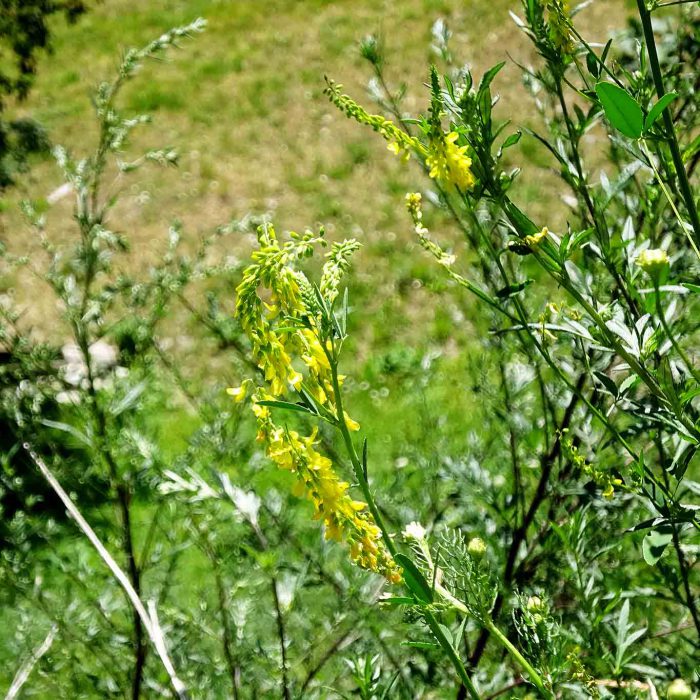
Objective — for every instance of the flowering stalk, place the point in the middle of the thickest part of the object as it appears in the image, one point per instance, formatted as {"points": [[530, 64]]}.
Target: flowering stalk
{"points": [[297, 323]]}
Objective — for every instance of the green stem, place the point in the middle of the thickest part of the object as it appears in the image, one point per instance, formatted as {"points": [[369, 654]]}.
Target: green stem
{"points": [[364, 485], [507, 644], [667, 194], [521, 660], [354, 459], [671, 336], [671, 137], [451, 653]]}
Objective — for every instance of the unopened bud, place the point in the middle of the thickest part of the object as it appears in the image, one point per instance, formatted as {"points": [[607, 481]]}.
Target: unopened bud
{"points": [[679, 690], [476, 548], [534, 604], [653, 261]]}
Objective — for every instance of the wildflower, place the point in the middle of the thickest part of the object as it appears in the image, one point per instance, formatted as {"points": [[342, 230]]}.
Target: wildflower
{"points": [[413, 204], [450, 164], [352, 424], [344, 518], [476, 548], [653, 261], [604, 480], [285, 330], [240, 392], [534, 240], [414, 531], [400, 142], [337, 263], [679, 690]]}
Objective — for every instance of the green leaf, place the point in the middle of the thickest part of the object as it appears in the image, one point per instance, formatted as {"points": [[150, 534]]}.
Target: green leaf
{"points": [[607, 382], [512, 140], [286, 405], [621, 109], [414, 579], [658, 108], [488, 77], [655, 542], [592, 64], [397, 600], [521, 223], [448, 634], [692, 148]]}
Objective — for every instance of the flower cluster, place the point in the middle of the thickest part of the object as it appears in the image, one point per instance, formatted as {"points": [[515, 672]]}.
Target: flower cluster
{"points": [[603, 480], [449, 163], [399, 141], [286, 328]]}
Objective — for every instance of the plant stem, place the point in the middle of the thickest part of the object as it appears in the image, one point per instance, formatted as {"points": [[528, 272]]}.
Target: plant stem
{"points": [[364, 485], [451, 653], [512, 650], [671, 137], [354, 459], [671, 336]]}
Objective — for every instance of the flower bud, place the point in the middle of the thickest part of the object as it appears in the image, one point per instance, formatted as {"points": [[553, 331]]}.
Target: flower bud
{"points": [[653, 261], [476, 548], [414, 531], [534, 604], [679, 690]]}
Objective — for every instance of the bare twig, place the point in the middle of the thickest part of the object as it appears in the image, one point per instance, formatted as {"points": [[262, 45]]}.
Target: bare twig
{"points": [[26, 668], [150, 621]]}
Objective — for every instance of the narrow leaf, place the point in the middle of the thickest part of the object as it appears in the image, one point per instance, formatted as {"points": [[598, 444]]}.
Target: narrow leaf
{"points": [[414, 579], [285, 405], [658, 108]]}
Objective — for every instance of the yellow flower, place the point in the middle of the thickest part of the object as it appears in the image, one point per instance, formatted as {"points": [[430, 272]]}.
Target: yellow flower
{"points": [[352, 424], [282, 332], [450, 164], [239, 392], [537, 238]]}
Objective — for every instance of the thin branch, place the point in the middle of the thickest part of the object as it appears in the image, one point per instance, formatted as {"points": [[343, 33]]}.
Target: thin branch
{"points": [[150, 623], [26, 668]]}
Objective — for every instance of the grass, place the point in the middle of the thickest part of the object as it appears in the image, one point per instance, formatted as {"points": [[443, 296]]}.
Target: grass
{"points": [[244, 105]]}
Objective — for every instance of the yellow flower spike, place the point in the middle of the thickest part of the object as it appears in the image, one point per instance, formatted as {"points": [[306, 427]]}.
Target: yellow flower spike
{"points": [[283, 330]]}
